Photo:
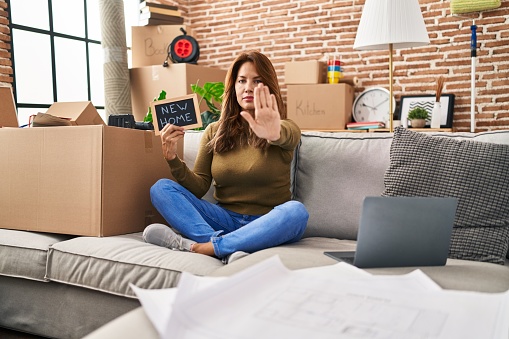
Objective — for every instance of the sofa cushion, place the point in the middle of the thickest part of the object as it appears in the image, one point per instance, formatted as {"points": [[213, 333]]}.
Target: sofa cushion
{"points": [[109, 264], [474, 172], [334, 172], [23, 254], [307, 253]]}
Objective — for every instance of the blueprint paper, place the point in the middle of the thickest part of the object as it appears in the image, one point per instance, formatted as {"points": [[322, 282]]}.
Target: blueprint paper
{"points": [[269, 301]]}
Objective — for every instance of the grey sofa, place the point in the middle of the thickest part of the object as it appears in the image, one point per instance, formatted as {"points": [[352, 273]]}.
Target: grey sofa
{"points": [[66, 287]]}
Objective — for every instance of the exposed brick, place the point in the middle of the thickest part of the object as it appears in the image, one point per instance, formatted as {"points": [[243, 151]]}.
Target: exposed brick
{"points": [[5, 69], [502, 99], [5, 62], [287, 30], [5, 79]]}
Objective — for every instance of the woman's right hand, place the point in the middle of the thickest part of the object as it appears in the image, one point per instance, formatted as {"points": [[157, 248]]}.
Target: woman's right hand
{"points": [[170, 135]]}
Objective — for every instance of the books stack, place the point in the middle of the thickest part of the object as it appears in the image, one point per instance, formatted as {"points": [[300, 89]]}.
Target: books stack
{"points": [[158, 14], [365, 125]]}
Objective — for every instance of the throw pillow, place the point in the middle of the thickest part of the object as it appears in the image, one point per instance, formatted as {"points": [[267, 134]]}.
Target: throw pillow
{"points": [[474, 172]]}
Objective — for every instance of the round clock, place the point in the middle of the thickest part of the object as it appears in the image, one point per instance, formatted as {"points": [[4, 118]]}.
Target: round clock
{"points": [[373, 105]]}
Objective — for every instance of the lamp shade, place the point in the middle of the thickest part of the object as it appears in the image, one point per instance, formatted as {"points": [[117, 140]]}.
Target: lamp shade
{"points": [[396, 22]]}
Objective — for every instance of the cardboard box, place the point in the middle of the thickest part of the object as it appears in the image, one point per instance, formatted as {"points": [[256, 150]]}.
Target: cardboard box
{"points": [[150, 43], [321, 107], [80, 112], [81, 180], [306, 72], [8, 116], [176, 79]]}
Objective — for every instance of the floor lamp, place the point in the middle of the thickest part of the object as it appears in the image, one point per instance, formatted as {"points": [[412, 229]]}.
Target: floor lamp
{"points": [[391, 24]]}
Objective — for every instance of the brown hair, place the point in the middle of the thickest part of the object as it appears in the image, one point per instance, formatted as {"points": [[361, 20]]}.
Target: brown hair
{"points": [[232, 128]]}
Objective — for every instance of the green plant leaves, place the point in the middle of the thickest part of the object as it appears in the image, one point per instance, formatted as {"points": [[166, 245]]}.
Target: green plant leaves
{"points": [[418, 113], [208, 117], [212, 93], [162, 96], [148, 117]]}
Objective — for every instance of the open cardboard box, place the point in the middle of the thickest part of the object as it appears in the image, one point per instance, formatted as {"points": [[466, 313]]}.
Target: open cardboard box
{"points": [[80, 180], [8, 116]]}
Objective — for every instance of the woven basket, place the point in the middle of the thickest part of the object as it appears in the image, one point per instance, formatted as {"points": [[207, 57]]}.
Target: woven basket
{"points": [[467, 6]]}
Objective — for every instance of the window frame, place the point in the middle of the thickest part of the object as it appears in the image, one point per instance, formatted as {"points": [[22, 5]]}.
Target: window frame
{"points": [[52, 35]]}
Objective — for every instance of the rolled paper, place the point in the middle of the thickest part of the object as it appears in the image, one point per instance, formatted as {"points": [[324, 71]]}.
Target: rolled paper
{"points": [[351, 80]]}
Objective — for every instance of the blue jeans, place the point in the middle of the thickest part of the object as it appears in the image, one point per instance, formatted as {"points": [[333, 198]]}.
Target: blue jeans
{"points": [[203, 221]]}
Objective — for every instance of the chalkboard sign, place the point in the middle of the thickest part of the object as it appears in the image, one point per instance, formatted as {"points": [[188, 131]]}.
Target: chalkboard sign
{"points": [[181, 111]]}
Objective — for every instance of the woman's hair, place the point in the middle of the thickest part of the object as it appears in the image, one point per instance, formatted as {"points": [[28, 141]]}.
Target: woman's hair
{"points": [[232, 128]]}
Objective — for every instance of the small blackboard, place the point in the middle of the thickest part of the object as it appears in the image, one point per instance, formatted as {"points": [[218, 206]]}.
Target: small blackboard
{"points": [[182, 111]]}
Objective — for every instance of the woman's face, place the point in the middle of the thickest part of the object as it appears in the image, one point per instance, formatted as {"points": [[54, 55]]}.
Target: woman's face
{"points": [[246, 81]]}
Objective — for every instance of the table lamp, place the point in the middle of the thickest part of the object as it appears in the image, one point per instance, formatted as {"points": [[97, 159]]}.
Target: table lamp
{"points": [[389, 24]]}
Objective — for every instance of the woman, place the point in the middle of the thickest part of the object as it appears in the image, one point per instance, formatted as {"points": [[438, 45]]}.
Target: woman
{"points": [[247, 154]]}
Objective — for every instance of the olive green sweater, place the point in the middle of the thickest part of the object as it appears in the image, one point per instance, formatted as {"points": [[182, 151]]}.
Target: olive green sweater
{"points": [[247, 180]]}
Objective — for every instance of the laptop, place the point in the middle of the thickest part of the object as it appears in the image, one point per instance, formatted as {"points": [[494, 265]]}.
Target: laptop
{"points": [[402, 232]]}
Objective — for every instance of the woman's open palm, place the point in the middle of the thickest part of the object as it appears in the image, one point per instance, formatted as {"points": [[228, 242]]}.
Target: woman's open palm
{"points": [[266, 123]]}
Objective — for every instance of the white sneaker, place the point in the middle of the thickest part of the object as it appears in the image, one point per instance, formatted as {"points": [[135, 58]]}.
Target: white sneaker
{"points": [[233, 257], [162, 235]]}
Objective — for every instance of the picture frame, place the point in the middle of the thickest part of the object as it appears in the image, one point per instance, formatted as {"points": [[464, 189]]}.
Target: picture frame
{"points": [[408, 102]]}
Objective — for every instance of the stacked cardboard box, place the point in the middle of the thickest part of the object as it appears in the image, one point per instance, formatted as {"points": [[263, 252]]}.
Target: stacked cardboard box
{"points": [[149, 77], [320, 107], [314, 104], [305, 72], [150, 43], [176, 79], [89, 179]]}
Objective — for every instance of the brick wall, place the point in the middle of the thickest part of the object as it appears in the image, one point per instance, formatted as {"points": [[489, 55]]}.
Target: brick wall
{"points": [[287, 30], [5, 47]]}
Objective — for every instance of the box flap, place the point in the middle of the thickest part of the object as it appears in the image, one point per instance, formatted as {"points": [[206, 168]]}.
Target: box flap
{"points": [[8, 117], [80, 112]]}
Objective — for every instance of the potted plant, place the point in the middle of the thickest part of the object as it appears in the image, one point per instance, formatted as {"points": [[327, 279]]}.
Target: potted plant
{"points": [[212, 93], [418, 117]]}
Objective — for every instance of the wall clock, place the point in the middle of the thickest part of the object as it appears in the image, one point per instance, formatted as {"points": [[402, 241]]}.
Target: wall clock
{"points": [[373, 105]]}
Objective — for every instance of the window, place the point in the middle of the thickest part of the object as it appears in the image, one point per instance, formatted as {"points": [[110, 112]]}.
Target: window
{"points": [[57, 53]]}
